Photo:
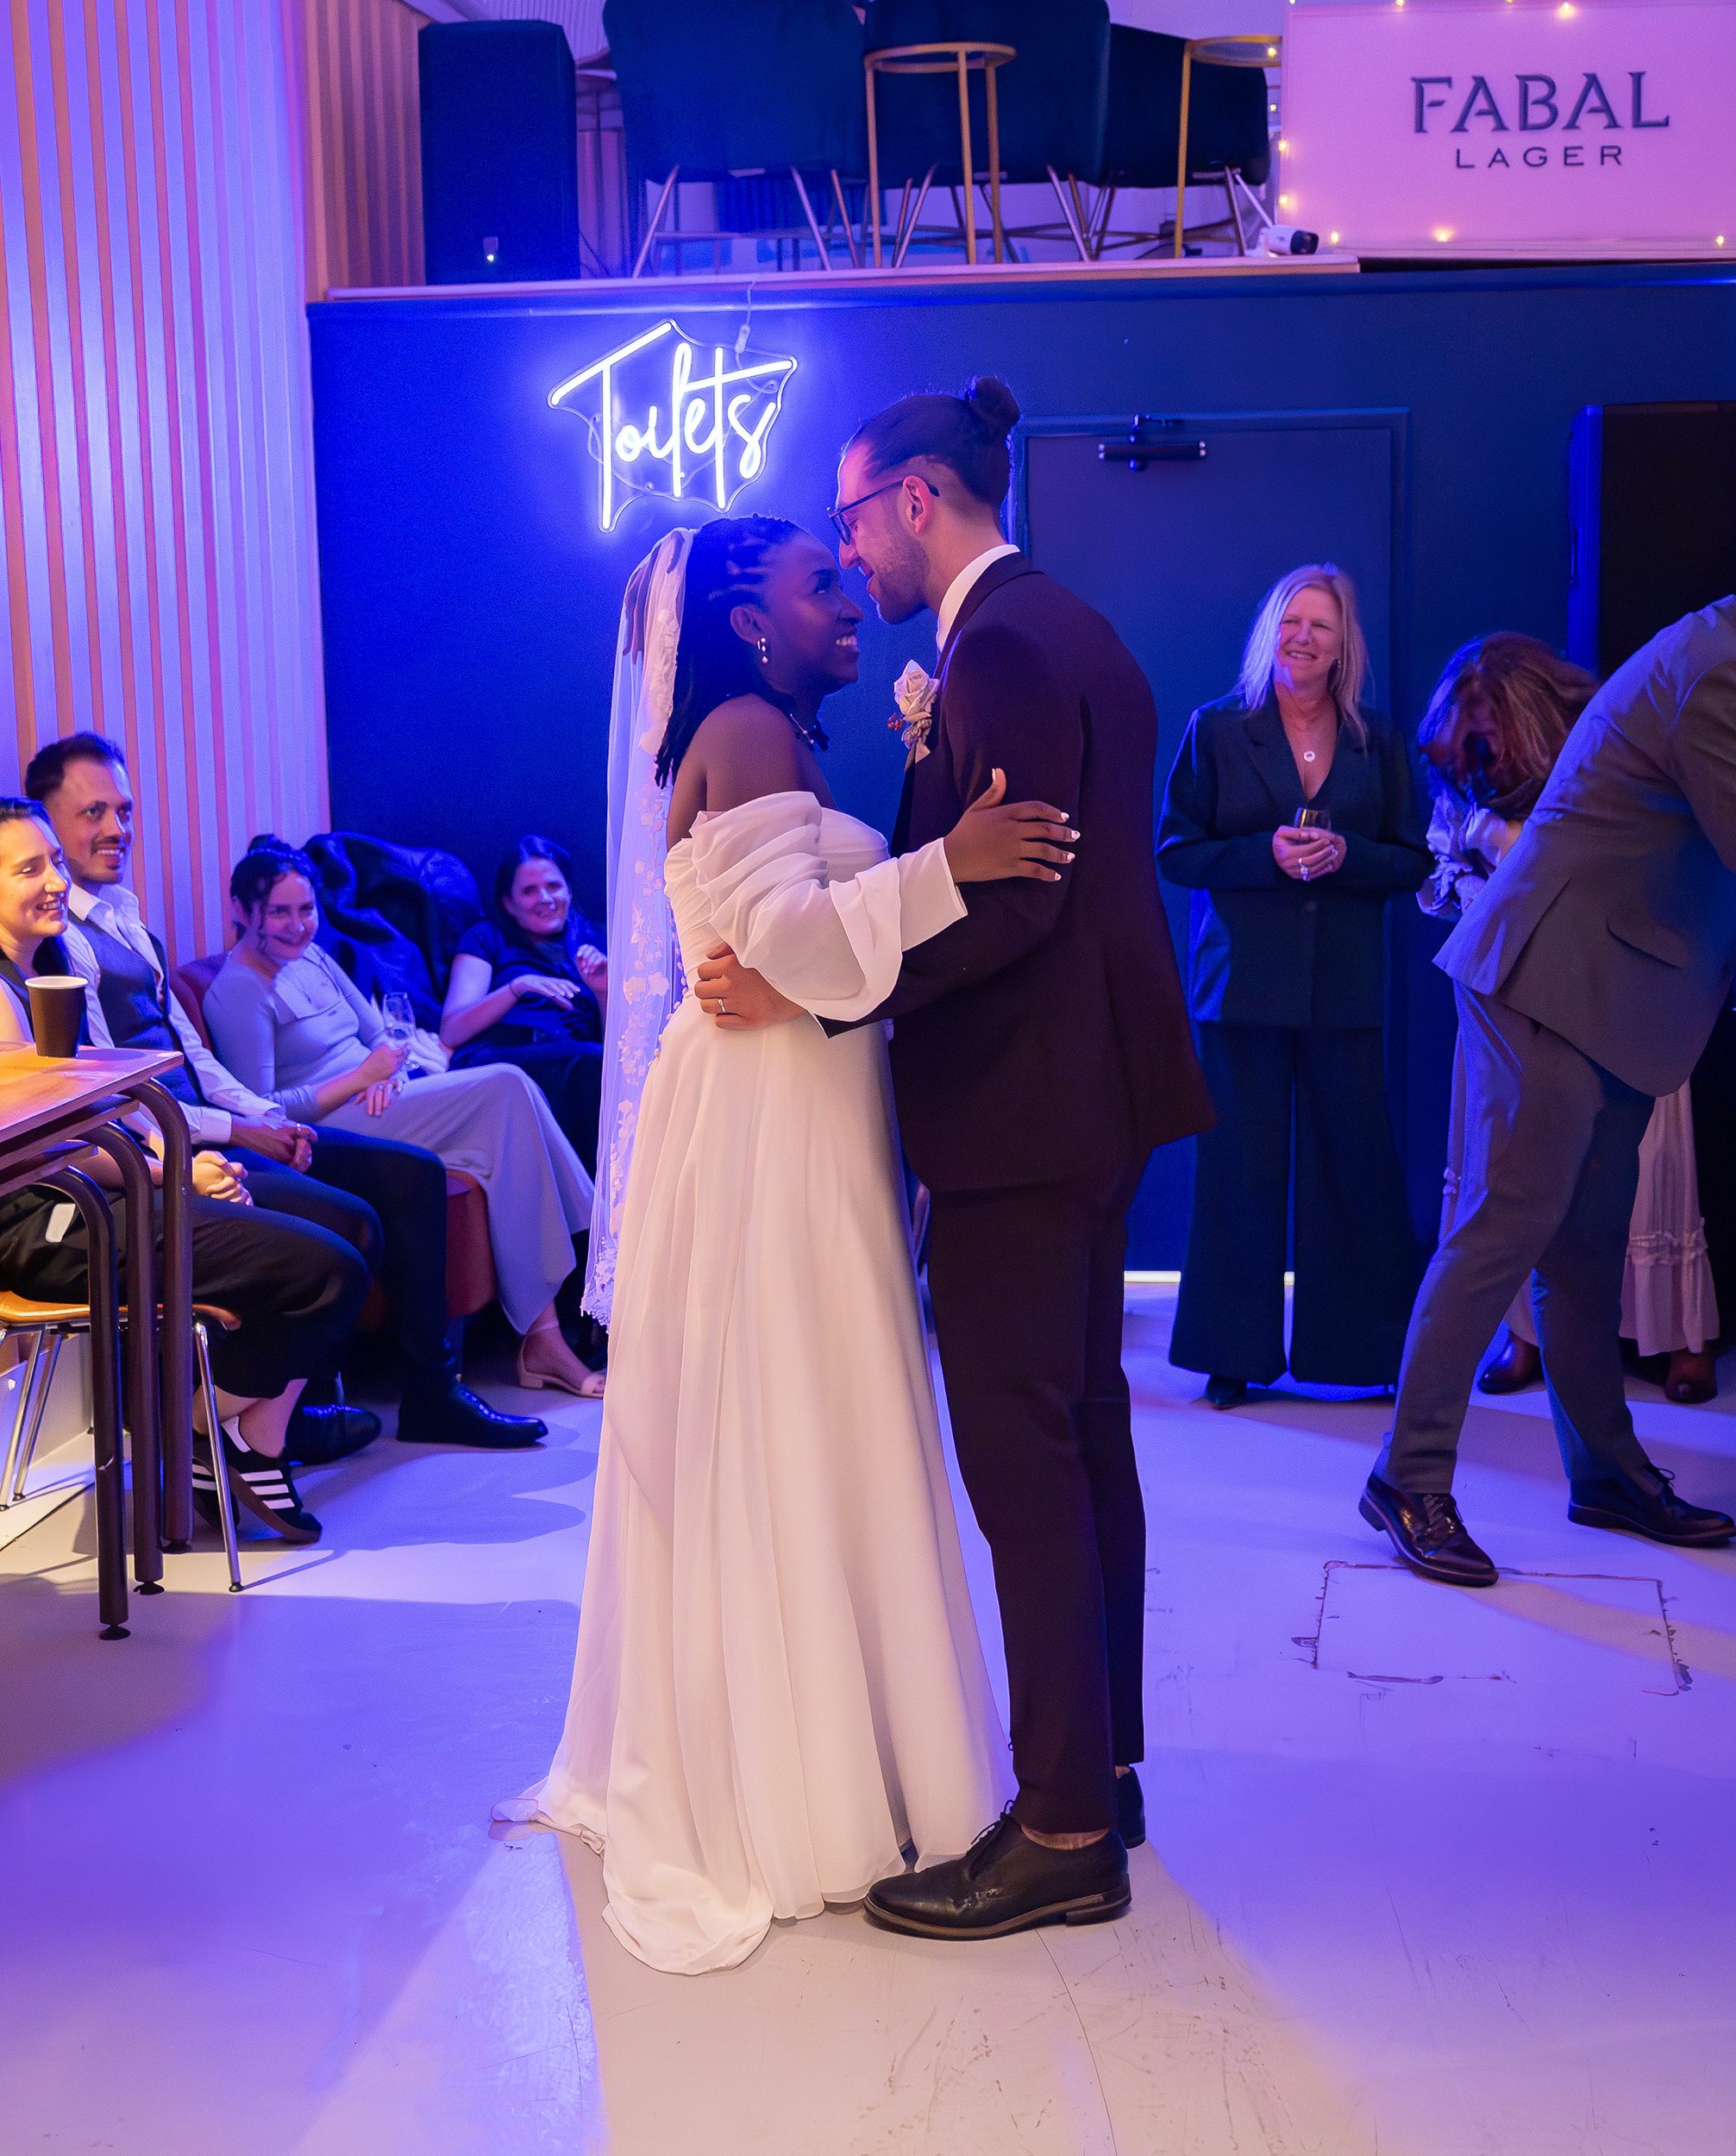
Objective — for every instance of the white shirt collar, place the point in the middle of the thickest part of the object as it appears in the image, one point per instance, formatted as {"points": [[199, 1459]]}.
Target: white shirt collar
{"points": [[959, 590], [115, 897]]}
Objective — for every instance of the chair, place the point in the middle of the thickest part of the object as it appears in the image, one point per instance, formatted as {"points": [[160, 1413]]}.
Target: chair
{"points": [[1052, 97], [49, 1326], [739, 87], [1214, 88], [470, 1281]]}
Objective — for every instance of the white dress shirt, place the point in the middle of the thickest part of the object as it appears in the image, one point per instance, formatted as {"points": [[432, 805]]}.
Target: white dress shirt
{"points": [[116, 912], [959, 589]]}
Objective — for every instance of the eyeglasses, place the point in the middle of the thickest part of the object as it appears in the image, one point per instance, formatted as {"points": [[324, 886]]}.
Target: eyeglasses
{"points": [[842, 515]]}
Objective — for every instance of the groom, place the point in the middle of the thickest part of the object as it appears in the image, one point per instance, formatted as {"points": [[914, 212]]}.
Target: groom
{"points": [[1041, 1049]]}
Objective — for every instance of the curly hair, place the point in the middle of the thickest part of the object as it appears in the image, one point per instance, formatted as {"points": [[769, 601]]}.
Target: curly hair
{"points": [[726, 568], [1527, 695]]}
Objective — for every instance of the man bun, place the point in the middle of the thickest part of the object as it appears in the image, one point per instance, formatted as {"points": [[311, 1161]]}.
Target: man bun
{"points": [[994, 403], [966, 434]]}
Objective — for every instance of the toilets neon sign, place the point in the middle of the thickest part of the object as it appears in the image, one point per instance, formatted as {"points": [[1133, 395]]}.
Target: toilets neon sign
{"points": [[670, 415]]}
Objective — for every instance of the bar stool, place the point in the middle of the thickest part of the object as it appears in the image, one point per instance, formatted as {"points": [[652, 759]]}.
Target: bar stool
{"points": [[50, 1325], [1251, 49], [963, 57]]}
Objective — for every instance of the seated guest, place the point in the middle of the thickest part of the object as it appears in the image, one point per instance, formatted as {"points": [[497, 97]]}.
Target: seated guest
{"points": [[1498, 716], [297, 1289], [389, 1200], [529, 987], [1288, 985], [292, 1025]]}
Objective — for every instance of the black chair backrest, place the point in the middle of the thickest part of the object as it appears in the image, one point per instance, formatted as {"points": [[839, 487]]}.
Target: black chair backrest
{"points": [[1228, 114], [1053, 99], [722, 86]]}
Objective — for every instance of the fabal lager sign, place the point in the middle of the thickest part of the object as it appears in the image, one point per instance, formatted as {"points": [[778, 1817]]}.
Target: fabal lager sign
{"points": [[676, 415], [1512, 126]]}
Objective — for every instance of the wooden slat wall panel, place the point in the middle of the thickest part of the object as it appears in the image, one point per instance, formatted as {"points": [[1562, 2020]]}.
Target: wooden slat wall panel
{"points": [[177, 177], [363, 142]]}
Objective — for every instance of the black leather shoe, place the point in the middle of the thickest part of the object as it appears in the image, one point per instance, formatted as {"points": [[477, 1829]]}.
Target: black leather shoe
{"points": [[1649, 1508], [1226, 1392], [452, 1415], [1515, 1365], [1130, 1809], [317, 1436], [1428, 1535], [1004, 1883]]}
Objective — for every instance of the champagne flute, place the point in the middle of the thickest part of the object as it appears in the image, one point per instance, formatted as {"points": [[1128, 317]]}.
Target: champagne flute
{"points": [[399, 1015], [1313, 820]]}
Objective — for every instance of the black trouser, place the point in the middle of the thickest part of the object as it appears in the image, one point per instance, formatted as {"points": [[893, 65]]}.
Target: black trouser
{"points": [[569, 1076], [297, 1289], [389, 1200], [1357, 1262], [1028, 1289]]}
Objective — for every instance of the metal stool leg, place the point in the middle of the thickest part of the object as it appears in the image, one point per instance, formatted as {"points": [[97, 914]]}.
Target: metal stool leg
{"points": [[220, 1479], [37, 1405], [27, 1386]]}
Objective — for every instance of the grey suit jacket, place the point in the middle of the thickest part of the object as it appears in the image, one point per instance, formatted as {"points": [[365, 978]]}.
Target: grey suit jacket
{"points": [[1613, 919]]}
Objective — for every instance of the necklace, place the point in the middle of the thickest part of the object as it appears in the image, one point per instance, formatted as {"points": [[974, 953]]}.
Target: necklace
{"points": [[814, 736]]}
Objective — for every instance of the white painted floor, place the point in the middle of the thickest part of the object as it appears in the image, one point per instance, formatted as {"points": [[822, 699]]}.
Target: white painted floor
{"points": [[1431, 1874]]}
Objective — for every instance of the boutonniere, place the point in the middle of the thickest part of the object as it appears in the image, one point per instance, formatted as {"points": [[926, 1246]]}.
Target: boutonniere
{"points": [[914, 692]]}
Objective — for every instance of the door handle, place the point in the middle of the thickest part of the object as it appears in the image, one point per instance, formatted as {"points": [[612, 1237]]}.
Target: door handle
{"points": [[1151, 442]]}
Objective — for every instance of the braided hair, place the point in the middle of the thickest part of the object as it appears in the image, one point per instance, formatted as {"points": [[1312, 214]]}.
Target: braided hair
{"points": [[726, 568], [267, 861]]}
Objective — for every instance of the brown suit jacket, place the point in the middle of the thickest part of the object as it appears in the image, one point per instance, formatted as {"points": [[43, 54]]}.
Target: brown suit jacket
{"points": [[1044, 1038]]}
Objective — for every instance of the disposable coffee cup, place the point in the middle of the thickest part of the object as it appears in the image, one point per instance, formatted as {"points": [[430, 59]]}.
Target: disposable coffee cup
{"points": [[57, 1011]]}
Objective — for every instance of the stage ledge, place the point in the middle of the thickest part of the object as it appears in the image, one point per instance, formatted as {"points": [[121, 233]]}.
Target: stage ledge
{"points": [[950, 276]]}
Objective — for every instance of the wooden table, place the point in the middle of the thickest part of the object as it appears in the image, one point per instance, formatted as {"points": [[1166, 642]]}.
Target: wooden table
{"points": [[52, 1113]]}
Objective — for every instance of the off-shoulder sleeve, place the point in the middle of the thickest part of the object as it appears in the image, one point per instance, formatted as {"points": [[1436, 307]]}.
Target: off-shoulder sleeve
{"points": [[835, 948]]}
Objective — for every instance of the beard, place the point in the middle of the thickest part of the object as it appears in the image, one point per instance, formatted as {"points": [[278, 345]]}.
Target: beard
{"points": [[901, 580]]}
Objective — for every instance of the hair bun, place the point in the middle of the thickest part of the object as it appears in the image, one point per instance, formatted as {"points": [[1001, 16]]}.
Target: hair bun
{"points": [[268, 843], [995, 405]]}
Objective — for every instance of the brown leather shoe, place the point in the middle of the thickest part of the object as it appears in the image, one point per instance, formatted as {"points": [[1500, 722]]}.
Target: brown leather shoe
{"points": [[1515, 1365]]}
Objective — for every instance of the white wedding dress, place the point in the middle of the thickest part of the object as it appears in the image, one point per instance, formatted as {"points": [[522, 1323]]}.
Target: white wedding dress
{"points": [[779, 1683]]}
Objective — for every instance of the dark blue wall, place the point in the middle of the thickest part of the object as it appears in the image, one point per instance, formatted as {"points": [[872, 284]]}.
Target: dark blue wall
{"points": [[471, 601]]}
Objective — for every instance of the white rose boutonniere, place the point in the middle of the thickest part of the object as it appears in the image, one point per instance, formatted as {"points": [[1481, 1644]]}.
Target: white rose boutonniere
{"points": [[914, 692]]}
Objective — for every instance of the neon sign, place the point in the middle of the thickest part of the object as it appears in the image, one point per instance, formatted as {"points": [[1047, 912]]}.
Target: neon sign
{"points": [[672, 416]]}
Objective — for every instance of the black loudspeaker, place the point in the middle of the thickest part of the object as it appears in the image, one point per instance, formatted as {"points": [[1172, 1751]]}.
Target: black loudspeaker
{"points": [[499, 152], [1652, 499]]}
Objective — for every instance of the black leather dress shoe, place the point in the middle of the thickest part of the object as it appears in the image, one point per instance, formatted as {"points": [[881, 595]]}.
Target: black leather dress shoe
{"points": [[1004, 1883], [1515, 1365], [1130, 1809], [452, 1415], [1649, 1508], [317, 1436], [1428, 1535], [1226, 1392]]}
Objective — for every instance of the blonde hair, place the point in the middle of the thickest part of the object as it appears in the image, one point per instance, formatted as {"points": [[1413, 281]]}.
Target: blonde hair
{"points": [[1351, 668]]}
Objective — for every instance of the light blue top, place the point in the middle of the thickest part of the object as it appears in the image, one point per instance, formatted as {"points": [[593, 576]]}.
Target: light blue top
{"points": [[287, 1037]]}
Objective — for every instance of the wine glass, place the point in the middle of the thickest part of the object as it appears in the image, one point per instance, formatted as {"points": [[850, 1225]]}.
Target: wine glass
{"points": [[399, 1015]]}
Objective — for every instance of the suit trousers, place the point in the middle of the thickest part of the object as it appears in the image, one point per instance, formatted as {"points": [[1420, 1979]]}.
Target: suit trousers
{"points": [[401, 1189], [1027, 1286], [1319, 1091], [297, 1289], [1552, 1162]]}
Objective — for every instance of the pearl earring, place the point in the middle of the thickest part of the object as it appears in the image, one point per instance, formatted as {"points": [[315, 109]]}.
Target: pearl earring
{"points": [[765, 656]]}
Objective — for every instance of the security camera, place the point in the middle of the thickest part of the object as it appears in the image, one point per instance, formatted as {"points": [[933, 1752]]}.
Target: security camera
{"points": [[1288, 238]]}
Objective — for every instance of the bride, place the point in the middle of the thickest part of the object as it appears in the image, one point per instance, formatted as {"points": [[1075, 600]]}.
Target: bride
{"points": [[779, 1684]]}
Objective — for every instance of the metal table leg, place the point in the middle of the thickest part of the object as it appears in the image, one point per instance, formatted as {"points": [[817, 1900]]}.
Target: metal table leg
{"points": [[142, 1420], [104, 1296], [177, 1425]]}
